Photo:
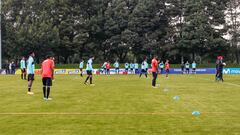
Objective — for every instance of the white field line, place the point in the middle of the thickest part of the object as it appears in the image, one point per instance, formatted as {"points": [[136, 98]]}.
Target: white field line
{"points": [[117, 114], [228, 83]]}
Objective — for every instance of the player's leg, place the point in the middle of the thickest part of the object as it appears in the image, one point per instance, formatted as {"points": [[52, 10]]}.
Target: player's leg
{"points": [[81, 72], [154, 74], [22, 74], [88, 76], [142, 71], [90, 79], [49, 84], [86, 79], [217, 76], [221, 76], [44, 88], [29, 85], [25, 74], [30, 82], [146, 72]]}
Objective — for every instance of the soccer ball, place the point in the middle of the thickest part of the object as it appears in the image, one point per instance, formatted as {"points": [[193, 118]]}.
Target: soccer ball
{"points": [[224, 64]]}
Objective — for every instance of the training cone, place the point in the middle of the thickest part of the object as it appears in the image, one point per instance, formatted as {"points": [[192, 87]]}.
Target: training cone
{"points": [[196, 113], [176, 98]]}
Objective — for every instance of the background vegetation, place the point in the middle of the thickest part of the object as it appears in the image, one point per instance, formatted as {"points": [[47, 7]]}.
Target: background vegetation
{"points": [[127, 30]]}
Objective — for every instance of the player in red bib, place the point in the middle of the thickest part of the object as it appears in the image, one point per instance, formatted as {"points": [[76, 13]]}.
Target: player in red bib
{"points": [[108, 66], [47, 76], [167, 67], [154, 71]]}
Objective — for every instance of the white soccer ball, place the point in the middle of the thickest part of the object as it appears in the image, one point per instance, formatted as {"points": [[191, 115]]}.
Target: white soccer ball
{"points": [[224, 64]]}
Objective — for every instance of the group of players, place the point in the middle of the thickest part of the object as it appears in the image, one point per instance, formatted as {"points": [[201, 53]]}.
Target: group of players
{"points": [[133, 68], [47, 71], [155, 66], [185, 67]]}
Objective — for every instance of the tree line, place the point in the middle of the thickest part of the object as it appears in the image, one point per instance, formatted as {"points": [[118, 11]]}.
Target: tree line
{"points": [[124, 30]]}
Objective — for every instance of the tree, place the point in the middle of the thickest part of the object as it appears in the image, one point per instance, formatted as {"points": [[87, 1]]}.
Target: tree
{"points": [[203, 29], [233, 23]]}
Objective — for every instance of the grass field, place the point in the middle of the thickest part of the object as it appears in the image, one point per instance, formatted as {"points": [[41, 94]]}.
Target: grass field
{"points": [[122, 105]]}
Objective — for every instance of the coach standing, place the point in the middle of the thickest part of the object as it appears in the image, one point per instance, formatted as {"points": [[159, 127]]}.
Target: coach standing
{"points": [[154, 71], [47, 76]]}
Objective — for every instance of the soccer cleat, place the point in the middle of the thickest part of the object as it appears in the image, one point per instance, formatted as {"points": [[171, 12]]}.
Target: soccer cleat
{"points": [[92, 84], [85, 83], [49, 99], [154, 87], [30, 93]]}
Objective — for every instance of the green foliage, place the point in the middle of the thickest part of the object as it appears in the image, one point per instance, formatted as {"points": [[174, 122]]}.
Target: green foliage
{"points": [[115, 29]]}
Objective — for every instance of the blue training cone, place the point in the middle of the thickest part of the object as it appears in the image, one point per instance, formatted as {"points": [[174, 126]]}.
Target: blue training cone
{"points": [[196, 113], [176, 98]]}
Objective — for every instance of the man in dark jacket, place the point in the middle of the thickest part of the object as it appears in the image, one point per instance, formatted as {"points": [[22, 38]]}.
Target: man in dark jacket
{"points": [[219, 67]]}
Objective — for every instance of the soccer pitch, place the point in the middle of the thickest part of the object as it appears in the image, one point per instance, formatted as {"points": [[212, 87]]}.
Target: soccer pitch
{"points": [[122, 105]]}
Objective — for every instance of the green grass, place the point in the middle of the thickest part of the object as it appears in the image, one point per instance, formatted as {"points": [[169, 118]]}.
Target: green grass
{"points": [[122, 105]]}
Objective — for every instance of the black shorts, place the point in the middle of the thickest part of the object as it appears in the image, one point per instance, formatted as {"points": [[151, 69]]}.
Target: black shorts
{"points": [[187, 69], [23, 70], [131, 69], [89, 72], [80, 69], [47, 81], [194, 69], [30, 77], [108, 70], [126, 69], [167, 70], [143, 71], [116, 68]]}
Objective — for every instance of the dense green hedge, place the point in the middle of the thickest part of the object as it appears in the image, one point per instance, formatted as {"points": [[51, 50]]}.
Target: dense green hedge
{"points": [[74, 66]]}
